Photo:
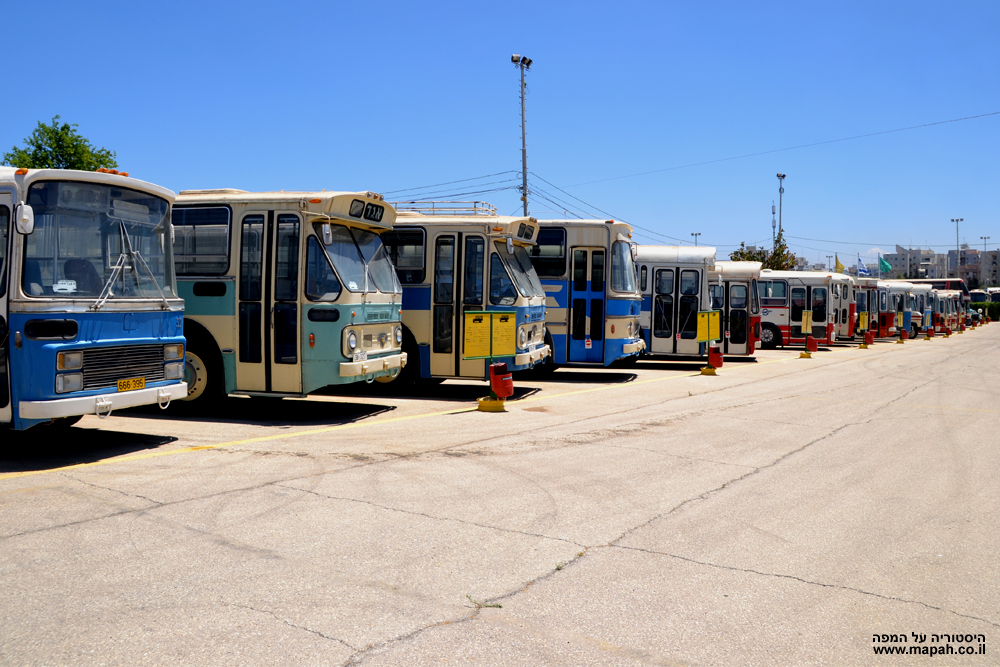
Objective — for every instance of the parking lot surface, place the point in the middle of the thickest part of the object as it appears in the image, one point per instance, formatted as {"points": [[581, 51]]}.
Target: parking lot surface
{"points": [[780, 513]]}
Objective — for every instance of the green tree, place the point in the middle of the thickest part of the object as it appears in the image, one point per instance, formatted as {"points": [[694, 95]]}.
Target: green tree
{"points": [[59, 146], [778, 259]]}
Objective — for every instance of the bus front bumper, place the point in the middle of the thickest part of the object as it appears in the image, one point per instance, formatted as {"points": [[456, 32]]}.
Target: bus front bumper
{"points": [[632, 348], [102, 404], [532, 357], [353, 369]]}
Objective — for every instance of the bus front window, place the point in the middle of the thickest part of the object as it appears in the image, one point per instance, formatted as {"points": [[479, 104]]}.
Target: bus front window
{"points": [[520, 268], [93, 240], [502, 291], [379, 267], [622, 267]]}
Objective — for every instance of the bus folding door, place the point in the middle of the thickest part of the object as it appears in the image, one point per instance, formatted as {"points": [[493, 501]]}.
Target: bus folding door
{"points": [[676, 299], [458, 287], [586, 302], [268, 356]]}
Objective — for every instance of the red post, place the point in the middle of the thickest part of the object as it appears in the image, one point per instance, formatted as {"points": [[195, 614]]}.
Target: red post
{"points": [[501, 381], [715, 356], [811, 344]]}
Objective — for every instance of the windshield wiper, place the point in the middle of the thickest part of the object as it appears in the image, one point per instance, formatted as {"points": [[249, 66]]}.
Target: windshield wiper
{"points": [[137, 259]]}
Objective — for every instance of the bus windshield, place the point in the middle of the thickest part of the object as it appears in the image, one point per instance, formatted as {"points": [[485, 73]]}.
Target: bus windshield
{"points": [[92, 240], [622, 267], [519, 266], [351, 251]]}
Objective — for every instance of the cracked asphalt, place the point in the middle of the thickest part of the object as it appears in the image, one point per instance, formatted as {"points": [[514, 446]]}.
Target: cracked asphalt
{"points": [[780, 513]]}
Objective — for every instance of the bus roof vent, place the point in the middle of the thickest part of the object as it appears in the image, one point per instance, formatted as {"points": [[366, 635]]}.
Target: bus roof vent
{"points": [[218, 191], [465, 208]]}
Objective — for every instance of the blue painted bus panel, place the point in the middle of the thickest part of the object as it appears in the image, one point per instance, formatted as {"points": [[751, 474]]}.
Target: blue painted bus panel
{"points": [[417, 297], [33, 366], [560, 296]]}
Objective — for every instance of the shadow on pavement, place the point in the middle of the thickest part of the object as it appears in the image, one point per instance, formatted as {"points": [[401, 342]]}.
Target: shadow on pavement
{"points": [[571, 375], [44, 447], [262, 411], [432, 391]]}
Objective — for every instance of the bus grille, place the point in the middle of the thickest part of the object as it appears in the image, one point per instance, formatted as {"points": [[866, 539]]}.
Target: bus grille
{"points": [[104, 366]]}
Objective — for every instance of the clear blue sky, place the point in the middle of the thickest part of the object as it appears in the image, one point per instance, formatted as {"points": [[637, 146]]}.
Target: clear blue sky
{"points": [[385, 96]]}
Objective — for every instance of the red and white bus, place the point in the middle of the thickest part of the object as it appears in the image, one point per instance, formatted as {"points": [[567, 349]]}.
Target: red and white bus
{"points": [[733, 289], [785, 295]]}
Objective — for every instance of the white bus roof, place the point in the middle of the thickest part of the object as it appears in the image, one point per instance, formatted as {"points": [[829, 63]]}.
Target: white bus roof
{"points": [[10, 175], [498, 225], [676, 254], [900, 285], [736, 270], [317, 205], [771, 274]]}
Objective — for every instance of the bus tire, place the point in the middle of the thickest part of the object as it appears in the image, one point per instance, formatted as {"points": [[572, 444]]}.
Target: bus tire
{"points": [[195, 374], [548, 365], [64, 422], [770, 336]]}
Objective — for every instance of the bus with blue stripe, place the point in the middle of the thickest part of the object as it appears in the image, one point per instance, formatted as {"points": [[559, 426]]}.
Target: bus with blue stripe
{"points": [[285, 292], [592, 299], [90, 320], [457, 257]]}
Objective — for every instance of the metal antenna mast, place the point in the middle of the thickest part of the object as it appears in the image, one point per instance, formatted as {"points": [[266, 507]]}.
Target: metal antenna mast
{"points": [[524, 63], [958, 247]]}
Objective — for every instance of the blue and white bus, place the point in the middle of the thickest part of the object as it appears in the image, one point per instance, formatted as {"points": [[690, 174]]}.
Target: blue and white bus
{"points": [[592, 298], [90, 320], [285, 292], [456, 257]]}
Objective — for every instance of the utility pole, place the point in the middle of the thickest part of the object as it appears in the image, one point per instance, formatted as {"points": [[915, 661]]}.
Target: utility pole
{"points": [[829, 258], [781, 192], [958, 247], [524, 63], [985, 239], [696, 235]]}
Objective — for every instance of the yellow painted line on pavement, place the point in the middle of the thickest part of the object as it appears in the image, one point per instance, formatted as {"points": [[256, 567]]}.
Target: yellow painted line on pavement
{"points": [[360, 424]]}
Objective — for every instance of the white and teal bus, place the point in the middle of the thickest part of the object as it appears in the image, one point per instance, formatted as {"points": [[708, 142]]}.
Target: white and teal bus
{"points": [[285, 292], [592, 296], [456, 257]]}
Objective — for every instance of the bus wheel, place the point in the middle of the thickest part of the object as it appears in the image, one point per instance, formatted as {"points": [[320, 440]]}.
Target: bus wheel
{"points": [[196, 376], [385, 379], [769, 337]]}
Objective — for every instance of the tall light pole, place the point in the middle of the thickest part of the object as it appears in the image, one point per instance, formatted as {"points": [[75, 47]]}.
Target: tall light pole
{"points": [[781, 192], [829, 259], [696, 235], [958, 247], [524, 63], [985, 239]]}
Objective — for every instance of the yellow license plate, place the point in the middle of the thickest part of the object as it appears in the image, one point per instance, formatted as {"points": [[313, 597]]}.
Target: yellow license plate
{"points": [[131, 383]]}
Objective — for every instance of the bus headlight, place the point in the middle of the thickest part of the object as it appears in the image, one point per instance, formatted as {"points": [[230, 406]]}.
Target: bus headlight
{"points": [[171, 352], [69, 382], [522, 337], [352, 341], [174, 371], [67, 361], [399, 335]]}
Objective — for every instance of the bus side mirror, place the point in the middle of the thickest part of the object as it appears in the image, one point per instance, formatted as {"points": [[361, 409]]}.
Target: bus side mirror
{"points": [[25, 218], [327, 234], [510, 246], [635, 251]]}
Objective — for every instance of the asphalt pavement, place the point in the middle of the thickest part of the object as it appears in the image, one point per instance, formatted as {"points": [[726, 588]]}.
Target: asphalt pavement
{"points": [[785, 512]]}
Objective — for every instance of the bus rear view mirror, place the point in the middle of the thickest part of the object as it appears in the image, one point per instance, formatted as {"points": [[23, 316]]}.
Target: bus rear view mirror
{"points": [[510, 246], [327, 235], [25, 218]]}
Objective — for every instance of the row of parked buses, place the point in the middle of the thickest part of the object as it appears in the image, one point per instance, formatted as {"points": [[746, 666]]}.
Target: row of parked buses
{"points": [[115, 293]]}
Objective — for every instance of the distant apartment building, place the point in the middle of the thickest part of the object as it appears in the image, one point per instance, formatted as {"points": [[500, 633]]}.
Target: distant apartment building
{"points": [[916, 263], [965, 263], [989, 273]]}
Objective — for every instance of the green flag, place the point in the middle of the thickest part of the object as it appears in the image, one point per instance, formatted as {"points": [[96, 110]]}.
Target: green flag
{"points": [[884, 265]]}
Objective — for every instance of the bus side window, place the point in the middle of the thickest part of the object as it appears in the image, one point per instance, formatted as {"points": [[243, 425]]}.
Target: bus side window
{"points": [[718, 293], [321, 281], [201, 240], [579, 270], [687, 310], [4, 224], [444, 283], [597, 271], [251, 256], [406, 251], [819, 304], [642, 279], [798, 303], [663, 303], [549, 256], [472, 283], [754, 297]]}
